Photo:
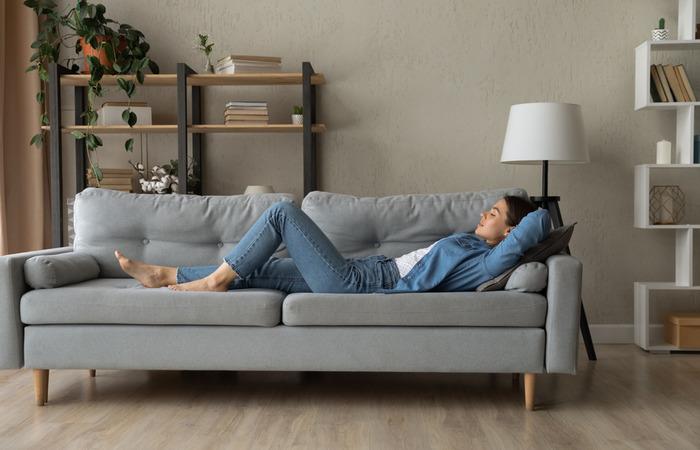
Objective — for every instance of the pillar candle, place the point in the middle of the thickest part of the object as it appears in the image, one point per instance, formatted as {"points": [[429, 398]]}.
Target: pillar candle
{"points": [[663, 152]]}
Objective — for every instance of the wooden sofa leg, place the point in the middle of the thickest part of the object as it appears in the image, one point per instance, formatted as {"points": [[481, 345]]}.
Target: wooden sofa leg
{"points": [[41, 386], [92, 373], [530, 391]]}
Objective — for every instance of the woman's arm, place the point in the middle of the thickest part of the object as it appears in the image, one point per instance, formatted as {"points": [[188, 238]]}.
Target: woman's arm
{"points": [[532, 229]]}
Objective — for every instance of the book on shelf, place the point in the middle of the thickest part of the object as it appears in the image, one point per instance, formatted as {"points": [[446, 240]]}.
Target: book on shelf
{"points": [[113, 180], [248, 63], [247, 68], [664, 83], [247, 111], [657, 89], [684, 92], [246, 122], [673, 82], [683, 75], [244, 117], [246, 104], [251, 58]]}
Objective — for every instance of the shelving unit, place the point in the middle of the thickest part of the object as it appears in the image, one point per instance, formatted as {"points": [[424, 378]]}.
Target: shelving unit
{"points": [[650, 336], [183, 79]]}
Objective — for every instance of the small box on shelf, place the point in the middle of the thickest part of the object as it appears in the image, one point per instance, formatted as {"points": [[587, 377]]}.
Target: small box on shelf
{"points": [[682, 329]]}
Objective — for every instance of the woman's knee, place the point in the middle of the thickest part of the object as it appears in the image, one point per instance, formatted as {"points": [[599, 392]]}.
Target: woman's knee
{"points": [[282, 207]]}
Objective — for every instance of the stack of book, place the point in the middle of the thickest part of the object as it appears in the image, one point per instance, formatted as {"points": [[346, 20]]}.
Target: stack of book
{"points": [[248, 63], [246, 113], [115, 179], [670, 83]]}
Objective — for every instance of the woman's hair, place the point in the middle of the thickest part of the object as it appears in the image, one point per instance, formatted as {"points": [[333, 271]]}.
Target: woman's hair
{"points": [[518, 208]]}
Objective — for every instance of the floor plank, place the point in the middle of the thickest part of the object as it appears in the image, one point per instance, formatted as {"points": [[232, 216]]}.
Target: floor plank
{"points": [[627, 399]]}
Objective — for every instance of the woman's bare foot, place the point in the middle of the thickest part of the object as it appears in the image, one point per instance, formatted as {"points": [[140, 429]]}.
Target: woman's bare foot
{"points": [[149, 275], [217, 281]]}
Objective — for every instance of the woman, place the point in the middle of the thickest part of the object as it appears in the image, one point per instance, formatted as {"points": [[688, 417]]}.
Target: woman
{"points": [[458, 262]]}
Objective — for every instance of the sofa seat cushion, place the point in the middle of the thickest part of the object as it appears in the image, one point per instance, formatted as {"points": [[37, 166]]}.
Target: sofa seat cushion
{"points": [[125, 301], [489, 309]]}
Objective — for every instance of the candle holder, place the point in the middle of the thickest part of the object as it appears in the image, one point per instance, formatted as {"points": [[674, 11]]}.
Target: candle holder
{"points": [[666, 205]]}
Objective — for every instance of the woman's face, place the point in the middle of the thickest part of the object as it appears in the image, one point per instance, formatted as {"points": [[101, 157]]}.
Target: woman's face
{"points": [[492, 226]]}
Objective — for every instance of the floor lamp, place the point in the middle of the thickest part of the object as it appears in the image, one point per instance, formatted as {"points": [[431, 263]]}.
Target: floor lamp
{"points": [[548, 133]]}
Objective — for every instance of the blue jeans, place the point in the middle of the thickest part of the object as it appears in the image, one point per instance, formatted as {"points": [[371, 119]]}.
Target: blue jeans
{"points": [[315, 264]]}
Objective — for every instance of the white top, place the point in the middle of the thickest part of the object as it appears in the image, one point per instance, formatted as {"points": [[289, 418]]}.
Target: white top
{"points": [[406, 262]]}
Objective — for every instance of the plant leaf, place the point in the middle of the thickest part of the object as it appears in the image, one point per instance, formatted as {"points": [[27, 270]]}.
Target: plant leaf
{"points": [[40, 97], [129, 145], [78, 134], [132, 118], [125, 115], [37, 139]]}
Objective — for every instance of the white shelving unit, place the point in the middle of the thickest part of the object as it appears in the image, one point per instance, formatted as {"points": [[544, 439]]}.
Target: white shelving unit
{"points": [[650, 336]]}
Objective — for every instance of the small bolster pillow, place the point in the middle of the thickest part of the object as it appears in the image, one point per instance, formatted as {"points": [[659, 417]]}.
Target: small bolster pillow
{"points": [[528, 277], [50, 271]]}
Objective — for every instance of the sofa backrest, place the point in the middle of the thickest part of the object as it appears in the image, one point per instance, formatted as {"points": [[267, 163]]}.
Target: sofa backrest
{"points": [[169, 230], [397, 224]]}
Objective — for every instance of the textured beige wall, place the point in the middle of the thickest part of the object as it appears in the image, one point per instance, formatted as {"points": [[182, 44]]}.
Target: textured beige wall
{"points": [[417, 101]]}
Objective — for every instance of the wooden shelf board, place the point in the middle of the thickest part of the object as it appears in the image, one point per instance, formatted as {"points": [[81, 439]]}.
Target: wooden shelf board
{"points": [[208, 128], [170, 79], [211, 79], [269, 128]]}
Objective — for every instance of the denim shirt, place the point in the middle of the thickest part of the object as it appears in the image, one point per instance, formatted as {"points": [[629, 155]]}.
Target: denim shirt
{"points": [[462, 261]]}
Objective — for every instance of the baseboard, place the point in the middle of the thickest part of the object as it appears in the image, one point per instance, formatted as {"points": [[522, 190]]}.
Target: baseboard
{"points": [[615, 333]]}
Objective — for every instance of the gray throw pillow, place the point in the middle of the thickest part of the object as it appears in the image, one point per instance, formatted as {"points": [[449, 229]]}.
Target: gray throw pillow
{"points": [[50, 271], [528, 277], [555, 243]]}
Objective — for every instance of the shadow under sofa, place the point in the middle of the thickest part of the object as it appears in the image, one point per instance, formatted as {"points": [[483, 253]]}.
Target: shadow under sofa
{"points": [[105, 320]]}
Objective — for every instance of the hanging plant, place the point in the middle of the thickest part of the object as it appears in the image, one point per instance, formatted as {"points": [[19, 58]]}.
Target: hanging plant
{"points": [[105, 46]]}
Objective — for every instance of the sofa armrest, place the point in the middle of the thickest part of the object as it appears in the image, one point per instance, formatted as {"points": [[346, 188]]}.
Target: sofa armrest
{"points": [[563, 313], [12, 287]]}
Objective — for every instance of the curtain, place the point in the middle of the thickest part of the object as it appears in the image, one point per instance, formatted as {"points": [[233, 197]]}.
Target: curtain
{"points": [[24, 169]]}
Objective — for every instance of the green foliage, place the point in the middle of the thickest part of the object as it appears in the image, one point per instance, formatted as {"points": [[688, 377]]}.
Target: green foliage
{"points": [[298, 109], [662, 23], [204, 44], [125, 47]]}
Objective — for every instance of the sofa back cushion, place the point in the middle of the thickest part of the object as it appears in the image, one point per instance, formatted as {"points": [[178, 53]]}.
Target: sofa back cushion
{"points": [[173, 229], [397, 224]]}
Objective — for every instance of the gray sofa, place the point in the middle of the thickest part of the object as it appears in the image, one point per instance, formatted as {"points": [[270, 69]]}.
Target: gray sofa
{"points": [[107, 320]]}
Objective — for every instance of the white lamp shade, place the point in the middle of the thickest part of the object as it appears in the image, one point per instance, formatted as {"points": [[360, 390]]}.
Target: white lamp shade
{"points": [[545, 131]]}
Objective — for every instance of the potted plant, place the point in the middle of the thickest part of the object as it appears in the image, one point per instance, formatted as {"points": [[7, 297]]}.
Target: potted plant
{"points": [[661, 33], [105, 46], [297, 115], [206, 47]]}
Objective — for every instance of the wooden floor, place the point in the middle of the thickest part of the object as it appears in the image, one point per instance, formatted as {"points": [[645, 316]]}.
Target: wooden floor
{"points": [[627, 399]]}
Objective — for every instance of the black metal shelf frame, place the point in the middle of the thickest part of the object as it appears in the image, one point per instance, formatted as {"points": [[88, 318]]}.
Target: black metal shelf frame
{"points": [[183, 71]]}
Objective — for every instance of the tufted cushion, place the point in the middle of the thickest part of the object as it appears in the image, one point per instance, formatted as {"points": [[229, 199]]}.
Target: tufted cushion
{"points": [[398, 224], [528, 277], [50, 271], [170, 230]]}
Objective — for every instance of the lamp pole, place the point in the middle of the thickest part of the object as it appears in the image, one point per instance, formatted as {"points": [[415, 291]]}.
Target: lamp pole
{"points": [[551, 204]]}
